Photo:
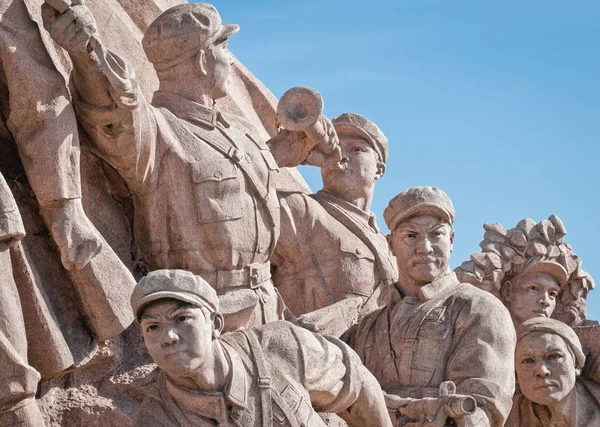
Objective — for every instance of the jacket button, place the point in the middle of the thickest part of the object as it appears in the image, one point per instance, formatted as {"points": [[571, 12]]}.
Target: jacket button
{"points": [[359, 251], [217, 174]]}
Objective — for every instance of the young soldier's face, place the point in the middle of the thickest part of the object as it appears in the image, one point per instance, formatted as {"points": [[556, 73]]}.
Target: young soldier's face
{"points": [[533, 295], [422, 245], [219, 61], [360, 167], [545, 368], [179, 339]]}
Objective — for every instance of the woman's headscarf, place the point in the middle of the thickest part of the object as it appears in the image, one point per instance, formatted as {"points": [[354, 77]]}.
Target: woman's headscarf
{"points": [[552, 326]]}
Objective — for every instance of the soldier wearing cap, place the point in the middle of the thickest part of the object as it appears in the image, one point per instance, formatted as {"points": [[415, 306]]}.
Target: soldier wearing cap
{"points": [[203, 185], [276, 374], [330, 248], [435, 328], [533, 292]]}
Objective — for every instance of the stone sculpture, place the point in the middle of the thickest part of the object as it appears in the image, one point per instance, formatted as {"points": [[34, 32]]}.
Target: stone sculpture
{"points": [[532, 270], [223, 221], [535, 273], [435, 328], [330, 248], [264, 376], [19, 381], [548, 360]]}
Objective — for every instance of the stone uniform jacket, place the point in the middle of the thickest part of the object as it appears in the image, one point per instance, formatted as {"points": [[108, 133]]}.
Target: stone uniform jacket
{"points": [[195, 207], [453, 331], [330, 250], [306, 371]]}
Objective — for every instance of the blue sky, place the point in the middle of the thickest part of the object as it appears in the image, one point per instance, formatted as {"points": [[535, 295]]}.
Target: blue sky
{"points": [[497, 103]]}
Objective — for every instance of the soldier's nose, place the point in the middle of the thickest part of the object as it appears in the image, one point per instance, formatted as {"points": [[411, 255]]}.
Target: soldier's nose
{"points": [[424, 246], [170, 337], [543, 371], [544, 300]]}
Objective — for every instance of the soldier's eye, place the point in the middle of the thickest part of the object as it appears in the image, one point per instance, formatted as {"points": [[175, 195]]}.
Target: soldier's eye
{"points": [[528, 361], [555, 356], [553, 294], [152, 328], [182, 318]]}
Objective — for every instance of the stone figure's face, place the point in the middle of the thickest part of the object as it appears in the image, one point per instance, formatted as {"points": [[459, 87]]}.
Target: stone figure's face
{"points": [[361, 167], [532, 295], [422, 245], [218, 64], [179, 339], [545, 368]]}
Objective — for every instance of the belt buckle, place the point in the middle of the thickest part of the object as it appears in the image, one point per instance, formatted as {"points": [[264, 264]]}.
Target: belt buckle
{"points": [[253, 271]]}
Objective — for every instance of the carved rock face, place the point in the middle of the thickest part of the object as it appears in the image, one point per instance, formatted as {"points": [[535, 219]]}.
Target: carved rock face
{"points": [[359, 171], [178, 338], [545, 368], [422, 245], [218, 61], [533, 295]]}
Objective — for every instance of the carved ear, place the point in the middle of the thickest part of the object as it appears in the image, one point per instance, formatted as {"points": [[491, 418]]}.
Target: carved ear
{"points": [[201, 63], [380, 170], [218, 324], [451, 239]]}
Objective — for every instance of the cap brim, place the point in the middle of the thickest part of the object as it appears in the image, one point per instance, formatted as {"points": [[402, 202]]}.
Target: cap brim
{"points": [[352, 129], [181, 296], [227, 31], [554, 269], [422, 209]]}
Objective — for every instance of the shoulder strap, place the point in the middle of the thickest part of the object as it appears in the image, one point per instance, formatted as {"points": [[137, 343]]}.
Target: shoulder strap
{"points": [[233, 154], [264, 380]]}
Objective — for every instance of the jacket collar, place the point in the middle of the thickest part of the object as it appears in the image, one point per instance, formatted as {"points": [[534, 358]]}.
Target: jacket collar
{"points": [[433, 289], [190, 111], [214, 405]]}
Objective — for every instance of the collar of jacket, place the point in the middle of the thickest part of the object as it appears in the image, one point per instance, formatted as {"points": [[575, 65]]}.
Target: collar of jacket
{"points": [[190, 111], [431, 290], [214, 405]]}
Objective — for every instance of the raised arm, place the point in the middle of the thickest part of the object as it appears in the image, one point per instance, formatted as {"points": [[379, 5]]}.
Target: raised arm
{"points": [[111, 109]]}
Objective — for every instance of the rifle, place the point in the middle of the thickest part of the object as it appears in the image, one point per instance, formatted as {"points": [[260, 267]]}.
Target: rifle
{"points": [[431, 411]]}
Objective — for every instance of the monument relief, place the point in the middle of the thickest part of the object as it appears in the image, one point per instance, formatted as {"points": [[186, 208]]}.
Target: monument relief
{"points": [[135, 148], [330, 248], [263, 376], [223, 221], [435, 328]]}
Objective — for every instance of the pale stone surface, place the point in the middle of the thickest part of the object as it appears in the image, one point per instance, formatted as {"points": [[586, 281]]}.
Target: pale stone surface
{"points": [[223, 221], [19, 380], [548, 359], [62, 323], [269, 375], [187, 182], [434, 328], [511, 260], [535, 273], [330, 248]]}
